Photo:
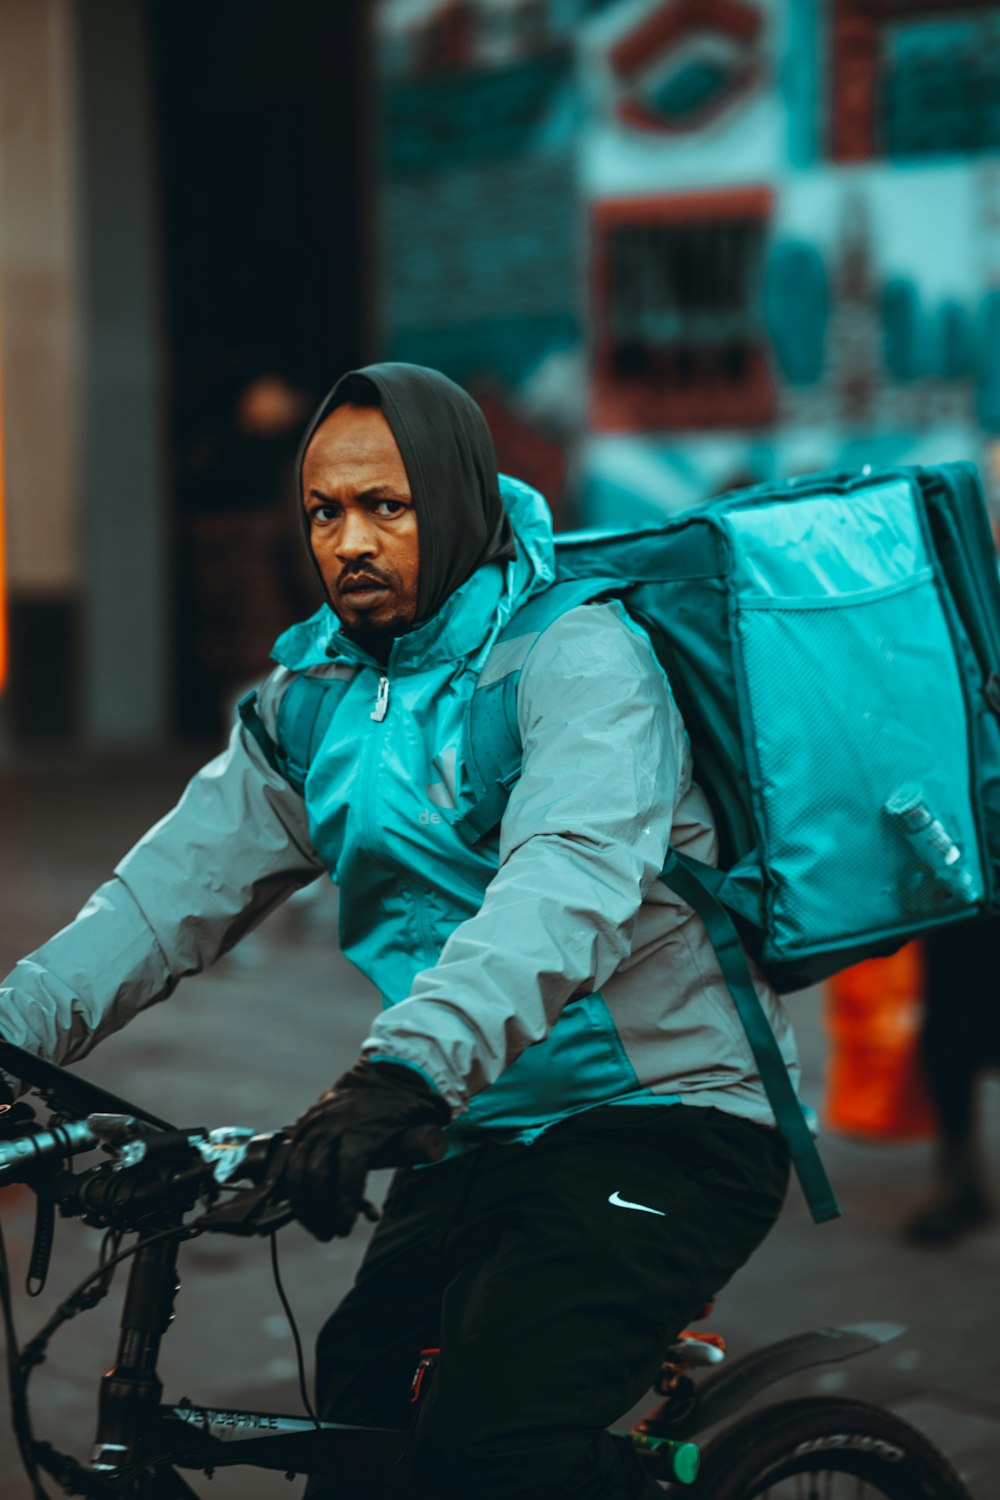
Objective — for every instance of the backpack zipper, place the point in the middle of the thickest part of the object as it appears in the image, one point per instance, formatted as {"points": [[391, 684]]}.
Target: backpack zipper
{"points": [[381, 708]]}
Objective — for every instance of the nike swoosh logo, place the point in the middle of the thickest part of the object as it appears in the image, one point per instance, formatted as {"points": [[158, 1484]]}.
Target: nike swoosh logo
{"points": [[624, 1203]]}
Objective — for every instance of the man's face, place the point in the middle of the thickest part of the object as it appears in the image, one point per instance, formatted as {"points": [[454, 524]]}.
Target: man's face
{"points": [[362, 524]]}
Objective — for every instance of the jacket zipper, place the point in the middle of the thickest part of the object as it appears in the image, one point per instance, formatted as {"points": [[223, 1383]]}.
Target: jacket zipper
{"points": [[378, 713], [373, 833], [381, 708]]}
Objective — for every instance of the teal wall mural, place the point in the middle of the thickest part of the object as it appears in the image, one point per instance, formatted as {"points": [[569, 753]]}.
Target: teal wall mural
{"points": [[942, 84], [689, 245], [796, 309], [904, 329], [988, 362]]}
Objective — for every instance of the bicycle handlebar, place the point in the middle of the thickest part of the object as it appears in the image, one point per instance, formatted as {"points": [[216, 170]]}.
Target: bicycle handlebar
{"points": [[73, 1094], [157, 1171], [177, 1166], [62, 1140]]}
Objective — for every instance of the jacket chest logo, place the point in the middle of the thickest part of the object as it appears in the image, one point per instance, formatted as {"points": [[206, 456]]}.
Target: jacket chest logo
{"points": [[442, 793]]}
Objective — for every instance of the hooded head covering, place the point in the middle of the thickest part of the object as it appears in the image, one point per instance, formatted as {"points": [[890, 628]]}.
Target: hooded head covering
{"points": [[451, 464]]}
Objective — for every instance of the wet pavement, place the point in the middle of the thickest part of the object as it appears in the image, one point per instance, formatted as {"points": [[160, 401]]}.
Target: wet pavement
{"points": [[261, 1035]]}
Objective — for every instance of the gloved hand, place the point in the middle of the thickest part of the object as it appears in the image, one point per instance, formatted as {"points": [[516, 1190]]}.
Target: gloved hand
{"points": [[359, 1124]]}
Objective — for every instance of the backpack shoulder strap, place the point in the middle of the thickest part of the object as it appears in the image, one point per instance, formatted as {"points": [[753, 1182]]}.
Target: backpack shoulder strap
{"points": [[492, 758], [492, 738], [304, 714], [254, 725], [693, 882]]}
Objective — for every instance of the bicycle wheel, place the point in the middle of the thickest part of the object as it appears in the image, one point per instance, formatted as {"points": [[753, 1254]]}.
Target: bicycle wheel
{"points": [[825, 1448]]}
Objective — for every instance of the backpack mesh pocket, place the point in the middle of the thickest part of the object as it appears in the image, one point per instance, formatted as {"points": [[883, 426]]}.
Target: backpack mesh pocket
{"points": [[847, 702]]}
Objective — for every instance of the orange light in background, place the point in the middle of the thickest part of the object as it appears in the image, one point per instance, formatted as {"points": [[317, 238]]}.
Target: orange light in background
{"points": [[3, 570]]}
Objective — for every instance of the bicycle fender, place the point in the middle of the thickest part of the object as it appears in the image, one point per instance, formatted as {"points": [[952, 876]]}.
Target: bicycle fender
{"points": [[727, 1390]]}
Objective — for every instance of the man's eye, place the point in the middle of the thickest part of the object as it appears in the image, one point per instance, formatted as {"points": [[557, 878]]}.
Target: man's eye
{"points": [[323, 513], [388, 507]]}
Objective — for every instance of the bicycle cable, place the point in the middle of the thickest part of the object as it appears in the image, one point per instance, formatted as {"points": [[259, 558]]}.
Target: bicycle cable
{"points": [[110, 1245], [299, 1357], [20, 1365], [17, 1382], [148, 1461], [80, 1301]]}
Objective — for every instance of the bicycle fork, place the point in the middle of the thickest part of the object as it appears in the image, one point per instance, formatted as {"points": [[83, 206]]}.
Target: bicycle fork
{"points": [[130, 1391]]}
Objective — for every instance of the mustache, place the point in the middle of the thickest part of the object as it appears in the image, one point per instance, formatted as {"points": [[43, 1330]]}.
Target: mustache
{"points": [[365, 573]]}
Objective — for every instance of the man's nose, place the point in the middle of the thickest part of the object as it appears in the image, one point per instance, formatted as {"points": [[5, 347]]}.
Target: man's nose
{"points": [[358, 537]]}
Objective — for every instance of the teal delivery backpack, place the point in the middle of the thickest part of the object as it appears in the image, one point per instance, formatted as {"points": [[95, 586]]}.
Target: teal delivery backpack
{"points": [[833, 645]]}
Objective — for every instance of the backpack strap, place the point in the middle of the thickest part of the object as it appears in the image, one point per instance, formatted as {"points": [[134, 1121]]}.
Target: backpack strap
{"points": [[254, 724], [304, 714], [492, 749], [492, 761], [683, 877]]}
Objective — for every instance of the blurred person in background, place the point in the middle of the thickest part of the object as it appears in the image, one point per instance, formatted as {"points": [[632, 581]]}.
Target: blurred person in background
{"points": [[553, 1015], [960, 1041], [240, 561]]}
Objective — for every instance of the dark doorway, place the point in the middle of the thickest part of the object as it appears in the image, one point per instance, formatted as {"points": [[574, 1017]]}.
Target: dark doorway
{"points": [[264, 226]]}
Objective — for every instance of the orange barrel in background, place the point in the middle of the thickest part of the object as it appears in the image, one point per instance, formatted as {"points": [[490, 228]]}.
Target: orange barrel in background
{"points": [[875, 1084]]}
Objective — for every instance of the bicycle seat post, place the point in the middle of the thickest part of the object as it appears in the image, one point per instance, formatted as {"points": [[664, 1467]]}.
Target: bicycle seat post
{"points": [[130, 1391]]}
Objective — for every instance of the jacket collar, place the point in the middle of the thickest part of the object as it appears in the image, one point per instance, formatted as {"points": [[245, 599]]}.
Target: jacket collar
{"points": [[467, 623]]}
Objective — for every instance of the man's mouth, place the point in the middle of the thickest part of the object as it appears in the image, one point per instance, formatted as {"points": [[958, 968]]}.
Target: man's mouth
{"points": [[363, 590]]}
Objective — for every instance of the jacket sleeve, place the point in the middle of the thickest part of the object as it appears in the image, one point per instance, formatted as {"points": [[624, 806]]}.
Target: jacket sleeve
{"points": [[582, 840], [234, 847]]}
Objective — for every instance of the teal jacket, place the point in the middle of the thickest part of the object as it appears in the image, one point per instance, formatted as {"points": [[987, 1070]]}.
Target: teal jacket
{"points": [[542, 972]]}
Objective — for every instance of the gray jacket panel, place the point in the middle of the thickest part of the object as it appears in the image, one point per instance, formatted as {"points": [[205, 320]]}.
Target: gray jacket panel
{"points": [[233, 848]]}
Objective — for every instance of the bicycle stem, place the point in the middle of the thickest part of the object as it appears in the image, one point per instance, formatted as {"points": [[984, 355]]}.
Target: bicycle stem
{"points": [[130, 1391]]}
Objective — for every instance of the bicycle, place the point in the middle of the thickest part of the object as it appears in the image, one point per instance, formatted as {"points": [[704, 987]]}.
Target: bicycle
{"points": [[156, 1177]]}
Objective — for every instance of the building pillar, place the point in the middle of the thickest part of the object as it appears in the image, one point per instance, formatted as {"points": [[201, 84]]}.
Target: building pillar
{"points": [[40, 378], [124, 534], [81, 352]]}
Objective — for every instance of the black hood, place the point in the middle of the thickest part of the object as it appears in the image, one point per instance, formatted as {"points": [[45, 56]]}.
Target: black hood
{"points": [[452, 468]]}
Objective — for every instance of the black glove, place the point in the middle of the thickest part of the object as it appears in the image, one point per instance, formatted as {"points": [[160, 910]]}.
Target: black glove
{"points": [[364, 1121]]}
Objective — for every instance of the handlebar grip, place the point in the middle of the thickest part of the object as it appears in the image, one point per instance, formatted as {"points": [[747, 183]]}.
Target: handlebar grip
{"points": [[64, 1140]]}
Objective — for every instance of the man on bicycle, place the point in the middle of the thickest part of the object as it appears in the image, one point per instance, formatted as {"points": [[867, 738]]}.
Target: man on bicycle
{"points": [[611, 1156]]}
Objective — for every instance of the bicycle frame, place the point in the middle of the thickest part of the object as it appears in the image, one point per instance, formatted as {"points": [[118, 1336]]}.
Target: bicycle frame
{"points": [[200, 1437], [142, 1442], [134, 1428], [137, 1430]]}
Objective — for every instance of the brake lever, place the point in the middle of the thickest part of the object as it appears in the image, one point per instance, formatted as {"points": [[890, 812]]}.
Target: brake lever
{"points": [[253, 1212], [256, 1210]]}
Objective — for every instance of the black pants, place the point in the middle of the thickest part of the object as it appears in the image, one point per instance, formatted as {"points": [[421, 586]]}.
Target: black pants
{"points": [[551, 1291]]}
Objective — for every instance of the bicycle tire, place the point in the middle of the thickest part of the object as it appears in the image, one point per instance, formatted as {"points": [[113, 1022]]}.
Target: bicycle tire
{"points": [[762, 1456]]}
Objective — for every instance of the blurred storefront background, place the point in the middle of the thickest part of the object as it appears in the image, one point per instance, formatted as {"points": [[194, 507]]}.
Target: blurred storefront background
{"points": [[672, 247], [182, 222]]}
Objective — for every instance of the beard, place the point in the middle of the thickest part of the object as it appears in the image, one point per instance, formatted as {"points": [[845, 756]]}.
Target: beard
{"points": [[376, 639], [374, 636]]}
